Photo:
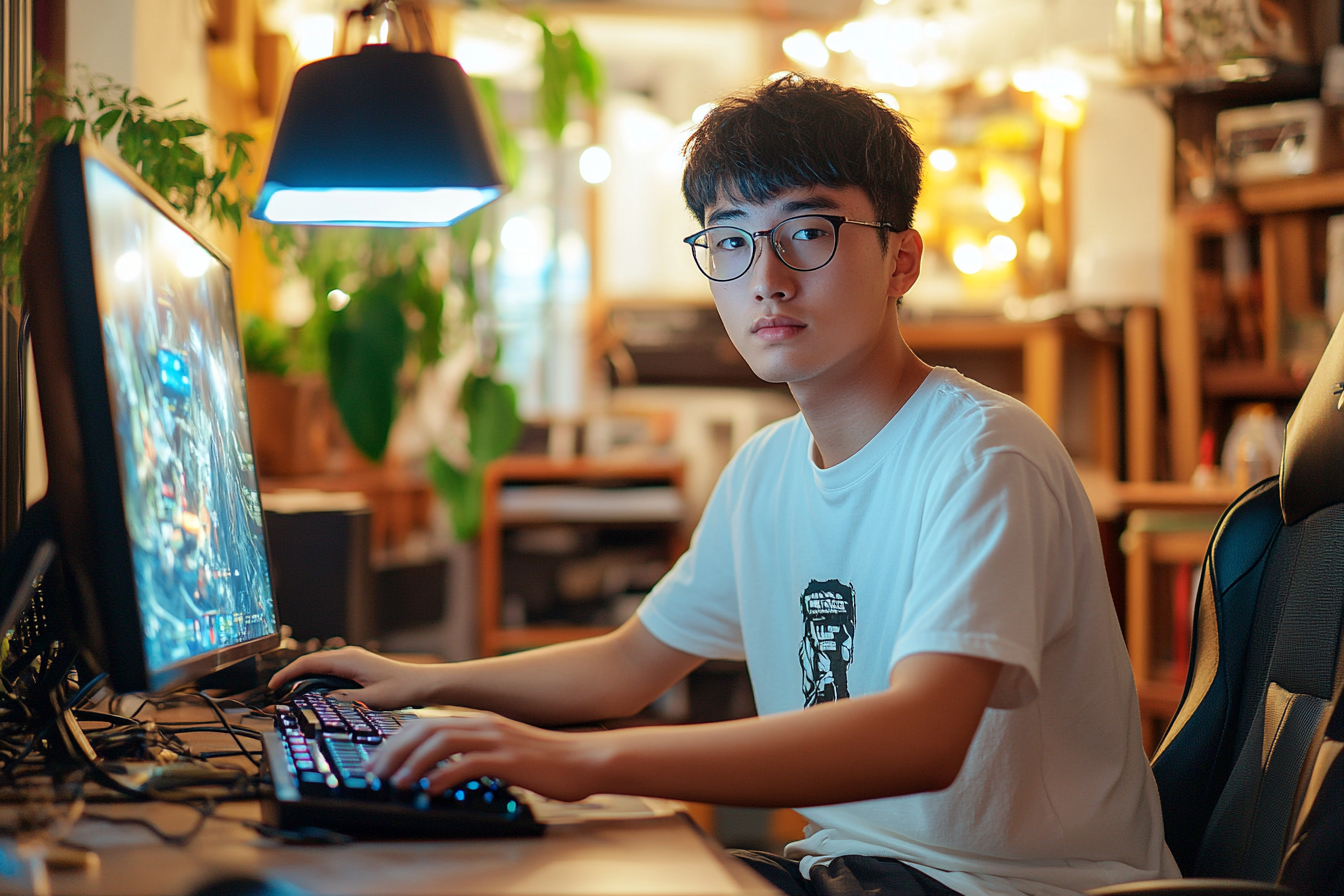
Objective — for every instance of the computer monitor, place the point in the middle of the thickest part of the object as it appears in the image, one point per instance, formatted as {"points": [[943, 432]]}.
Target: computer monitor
{"points": [[140, 379]]}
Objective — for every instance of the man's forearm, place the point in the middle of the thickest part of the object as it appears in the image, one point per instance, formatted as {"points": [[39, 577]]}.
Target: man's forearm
{"points": [[580, 681], [905, 740]]}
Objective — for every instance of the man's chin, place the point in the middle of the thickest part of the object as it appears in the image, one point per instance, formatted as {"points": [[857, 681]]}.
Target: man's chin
{"points": [[770, 373]]}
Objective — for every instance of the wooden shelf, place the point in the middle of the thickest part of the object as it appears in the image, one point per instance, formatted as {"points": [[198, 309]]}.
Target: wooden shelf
{"points": [[1174, 496], [591, 493], [1294, 194], [1249, 380]]}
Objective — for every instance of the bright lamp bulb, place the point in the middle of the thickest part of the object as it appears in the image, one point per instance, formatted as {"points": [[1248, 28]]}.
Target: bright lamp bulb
{"points": [[437, 207]]}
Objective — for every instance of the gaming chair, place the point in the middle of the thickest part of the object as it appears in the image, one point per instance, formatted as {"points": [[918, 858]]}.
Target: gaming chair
{"points": [[1250, 772]]}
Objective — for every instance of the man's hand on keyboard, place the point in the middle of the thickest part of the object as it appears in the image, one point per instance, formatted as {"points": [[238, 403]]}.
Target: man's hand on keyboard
{"points": [[555, 764], [386, 683]]}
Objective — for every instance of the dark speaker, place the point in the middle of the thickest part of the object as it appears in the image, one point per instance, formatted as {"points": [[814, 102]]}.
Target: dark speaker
{"points": [[320, 568]]}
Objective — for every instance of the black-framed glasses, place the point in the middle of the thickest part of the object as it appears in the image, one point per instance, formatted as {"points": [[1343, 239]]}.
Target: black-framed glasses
{"points": [[803, 242]]}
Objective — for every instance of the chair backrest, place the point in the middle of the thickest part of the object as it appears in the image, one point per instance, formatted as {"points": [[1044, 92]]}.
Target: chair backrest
{"points": [[1265, 666]]}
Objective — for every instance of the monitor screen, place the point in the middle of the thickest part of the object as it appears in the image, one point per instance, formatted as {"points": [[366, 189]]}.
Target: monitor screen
{"points": [[166, 486], [179, 411]]}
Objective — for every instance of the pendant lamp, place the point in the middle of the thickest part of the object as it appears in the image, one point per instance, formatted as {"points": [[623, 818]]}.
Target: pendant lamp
{"points": [[384, 138]]}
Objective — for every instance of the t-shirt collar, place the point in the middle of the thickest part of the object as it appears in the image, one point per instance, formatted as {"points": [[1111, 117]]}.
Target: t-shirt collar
{"points": [[890, 437]]}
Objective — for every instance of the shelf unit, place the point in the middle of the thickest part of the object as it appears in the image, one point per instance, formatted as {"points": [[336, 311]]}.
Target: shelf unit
{"points": [[1148, 549], [605, 497]]}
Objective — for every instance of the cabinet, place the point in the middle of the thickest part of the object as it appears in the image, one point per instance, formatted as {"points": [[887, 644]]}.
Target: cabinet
{"points": [[568, 548]]}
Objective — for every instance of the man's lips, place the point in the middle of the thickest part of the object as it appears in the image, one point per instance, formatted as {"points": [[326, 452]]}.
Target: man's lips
{"points": [[776, 327]]}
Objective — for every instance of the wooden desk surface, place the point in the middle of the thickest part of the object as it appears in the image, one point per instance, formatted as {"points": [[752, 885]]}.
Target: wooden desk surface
{"points": [[664, 856], [657, 857]]}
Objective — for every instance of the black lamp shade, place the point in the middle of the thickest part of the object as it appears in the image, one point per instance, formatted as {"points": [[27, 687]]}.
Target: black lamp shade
{"points": [[380, 138]]}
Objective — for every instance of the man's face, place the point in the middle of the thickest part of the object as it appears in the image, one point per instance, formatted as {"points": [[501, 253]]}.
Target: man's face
{"points": [[797, 326]]}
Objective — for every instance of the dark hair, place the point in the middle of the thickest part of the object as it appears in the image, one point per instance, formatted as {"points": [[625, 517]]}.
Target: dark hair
{"points": [[799, 131]]}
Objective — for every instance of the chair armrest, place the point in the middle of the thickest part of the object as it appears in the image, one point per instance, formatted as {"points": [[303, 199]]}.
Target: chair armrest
{"points": [[1190, 886]]}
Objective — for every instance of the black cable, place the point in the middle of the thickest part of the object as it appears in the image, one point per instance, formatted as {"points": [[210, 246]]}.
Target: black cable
{"points": [[37, 738], [223, 720]]}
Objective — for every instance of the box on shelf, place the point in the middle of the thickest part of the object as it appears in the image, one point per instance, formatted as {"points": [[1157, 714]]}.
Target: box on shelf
{"points": [[1262, 143]]}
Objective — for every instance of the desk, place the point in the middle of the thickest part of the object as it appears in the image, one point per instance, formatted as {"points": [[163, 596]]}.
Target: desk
{"points": [[666, 856], [657, 857]]}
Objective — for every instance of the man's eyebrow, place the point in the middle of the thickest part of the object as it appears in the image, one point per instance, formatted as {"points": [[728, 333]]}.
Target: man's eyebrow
{"points": [[725, 214], [811, 203]]}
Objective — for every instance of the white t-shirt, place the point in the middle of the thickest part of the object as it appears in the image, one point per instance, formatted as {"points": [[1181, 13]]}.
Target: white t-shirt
{"points": [[961, 527]]}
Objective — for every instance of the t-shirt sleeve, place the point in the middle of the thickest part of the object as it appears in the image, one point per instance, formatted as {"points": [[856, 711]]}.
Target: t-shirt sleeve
{"points": [[993, 573], [694, 607]]}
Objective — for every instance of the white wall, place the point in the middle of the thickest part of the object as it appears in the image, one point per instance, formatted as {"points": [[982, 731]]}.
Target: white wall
{"points": [[1121, 186], [155, 46]]}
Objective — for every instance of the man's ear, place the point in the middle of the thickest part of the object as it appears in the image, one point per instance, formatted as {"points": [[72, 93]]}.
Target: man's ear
{"points": [[906, 249]]}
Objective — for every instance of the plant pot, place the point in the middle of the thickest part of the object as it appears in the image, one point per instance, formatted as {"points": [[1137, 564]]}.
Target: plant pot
{"points": [[291, 423]]}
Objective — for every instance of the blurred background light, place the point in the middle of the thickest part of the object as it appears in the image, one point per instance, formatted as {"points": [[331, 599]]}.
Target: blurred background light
{"points": [[595, 165], [807, 48]]}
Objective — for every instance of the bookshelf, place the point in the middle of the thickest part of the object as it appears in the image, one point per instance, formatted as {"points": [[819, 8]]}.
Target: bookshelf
{"points": [[568, 547]]}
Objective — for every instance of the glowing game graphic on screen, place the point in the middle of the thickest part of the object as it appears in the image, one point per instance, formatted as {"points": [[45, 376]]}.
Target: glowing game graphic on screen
{"points": [[175, 375]]}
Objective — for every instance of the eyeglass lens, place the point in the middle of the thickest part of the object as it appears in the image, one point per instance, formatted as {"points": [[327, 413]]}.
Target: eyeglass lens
{"points": [[804, 243]]}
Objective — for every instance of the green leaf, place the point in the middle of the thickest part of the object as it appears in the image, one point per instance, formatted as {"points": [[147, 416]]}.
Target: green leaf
{"points": [[237, 159], [587, 72], [365, 349], [462, 492], [106, 122], [492, 415], [266, 345], [55, 129]]}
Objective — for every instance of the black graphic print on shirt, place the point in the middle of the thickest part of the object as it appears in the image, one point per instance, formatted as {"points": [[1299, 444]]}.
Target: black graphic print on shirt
{"points": [[828, 641]]}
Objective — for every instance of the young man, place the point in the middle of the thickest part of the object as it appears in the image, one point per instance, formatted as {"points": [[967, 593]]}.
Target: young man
{"points": [[910, 568]]}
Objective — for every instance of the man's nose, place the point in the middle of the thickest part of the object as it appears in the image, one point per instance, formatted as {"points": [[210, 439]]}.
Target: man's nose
{"points": [[770, 277]]}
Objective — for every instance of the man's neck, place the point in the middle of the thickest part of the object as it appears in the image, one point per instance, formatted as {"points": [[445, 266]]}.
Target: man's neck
{"points": [[846, 408]]}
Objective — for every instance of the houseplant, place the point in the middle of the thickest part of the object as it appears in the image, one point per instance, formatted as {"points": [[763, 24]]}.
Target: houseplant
{"points": [[171, 152], [380, 323]]}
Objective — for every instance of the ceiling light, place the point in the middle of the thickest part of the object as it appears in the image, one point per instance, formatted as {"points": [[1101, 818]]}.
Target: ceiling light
{"points": [[382, 137]]}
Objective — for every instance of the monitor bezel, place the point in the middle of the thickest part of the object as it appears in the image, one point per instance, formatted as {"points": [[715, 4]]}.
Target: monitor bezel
{"points": [[85, 476]]}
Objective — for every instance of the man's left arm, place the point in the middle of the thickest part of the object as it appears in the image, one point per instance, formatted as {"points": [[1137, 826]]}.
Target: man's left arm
{"points": [[911, 737]]}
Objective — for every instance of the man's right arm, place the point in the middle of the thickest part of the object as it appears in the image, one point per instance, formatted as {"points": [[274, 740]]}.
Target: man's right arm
{"points": [[606, 677]]}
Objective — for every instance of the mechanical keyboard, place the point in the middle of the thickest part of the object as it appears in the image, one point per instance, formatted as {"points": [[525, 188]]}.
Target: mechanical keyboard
{"points": [[316, 759]]}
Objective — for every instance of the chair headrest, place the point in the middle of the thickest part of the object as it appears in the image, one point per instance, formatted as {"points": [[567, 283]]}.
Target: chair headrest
{"points": [[1312, 475]]}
